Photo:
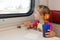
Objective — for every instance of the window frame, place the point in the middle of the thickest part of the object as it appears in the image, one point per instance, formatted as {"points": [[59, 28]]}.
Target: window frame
{"points": [[32, 5]]}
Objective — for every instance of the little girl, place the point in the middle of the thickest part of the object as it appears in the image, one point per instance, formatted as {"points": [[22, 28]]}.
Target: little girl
{"points": [[42, 16]]}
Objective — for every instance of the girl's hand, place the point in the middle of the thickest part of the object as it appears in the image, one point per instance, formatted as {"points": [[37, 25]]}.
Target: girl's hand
{"points": [[50, 34]]}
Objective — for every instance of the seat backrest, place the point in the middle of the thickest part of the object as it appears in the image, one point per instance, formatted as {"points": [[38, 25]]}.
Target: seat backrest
{"points": [[55, 16]]}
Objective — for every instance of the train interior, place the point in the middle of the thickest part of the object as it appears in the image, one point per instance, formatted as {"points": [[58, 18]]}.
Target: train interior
{"points": [[14, 13]]}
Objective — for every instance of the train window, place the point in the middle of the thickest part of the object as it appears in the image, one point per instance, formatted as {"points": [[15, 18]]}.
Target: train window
{"points": [[16, 8]]}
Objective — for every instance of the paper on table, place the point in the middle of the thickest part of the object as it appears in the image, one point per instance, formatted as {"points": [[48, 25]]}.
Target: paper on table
{"points": [[32, 36]]}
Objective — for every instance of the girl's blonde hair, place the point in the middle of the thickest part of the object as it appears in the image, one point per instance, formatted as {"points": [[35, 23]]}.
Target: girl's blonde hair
{"points": [[44, 9]]}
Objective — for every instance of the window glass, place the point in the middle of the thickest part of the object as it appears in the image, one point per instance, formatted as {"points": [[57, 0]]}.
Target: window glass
{"points": [[14, 6]]}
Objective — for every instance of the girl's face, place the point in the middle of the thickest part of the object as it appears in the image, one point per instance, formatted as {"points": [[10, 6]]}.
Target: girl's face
{"points": [[47, 16]]}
